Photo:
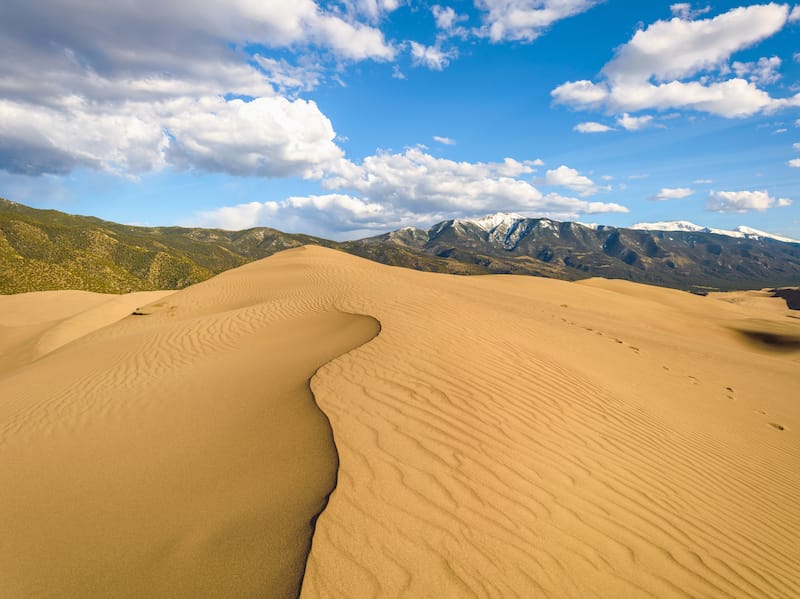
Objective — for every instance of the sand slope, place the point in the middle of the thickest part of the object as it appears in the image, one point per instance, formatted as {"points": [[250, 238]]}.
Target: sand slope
{"points": [[178, 453], [501, 436]]}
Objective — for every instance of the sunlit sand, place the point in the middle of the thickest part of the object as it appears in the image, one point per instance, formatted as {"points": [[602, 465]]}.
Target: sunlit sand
{"points": [[488, 436]]}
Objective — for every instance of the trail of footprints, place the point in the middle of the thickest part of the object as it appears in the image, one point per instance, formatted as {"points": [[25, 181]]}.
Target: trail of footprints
{"points": [[693, 380]]}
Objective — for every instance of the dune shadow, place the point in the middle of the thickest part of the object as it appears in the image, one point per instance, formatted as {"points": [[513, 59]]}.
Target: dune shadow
{"points": [[789, 295], [778, 342]]}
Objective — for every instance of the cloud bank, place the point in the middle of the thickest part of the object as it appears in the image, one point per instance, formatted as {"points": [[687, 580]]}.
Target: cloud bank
{"points": [[683, 64]]}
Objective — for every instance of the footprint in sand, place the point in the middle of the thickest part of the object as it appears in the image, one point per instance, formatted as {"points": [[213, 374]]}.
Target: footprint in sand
{"points": [[777, 426]]}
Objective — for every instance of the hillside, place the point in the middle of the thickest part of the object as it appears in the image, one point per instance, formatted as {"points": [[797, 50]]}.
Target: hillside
{"points": [[505, 243], [47, 250]]}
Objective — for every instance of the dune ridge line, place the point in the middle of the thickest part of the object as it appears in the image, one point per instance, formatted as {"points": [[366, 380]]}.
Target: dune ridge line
{"points": [[500, 436]]}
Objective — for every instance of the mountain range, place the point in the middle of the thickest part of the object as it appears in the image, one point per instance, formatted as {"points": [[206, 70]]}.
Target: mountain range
{"points": [[47, 249]]}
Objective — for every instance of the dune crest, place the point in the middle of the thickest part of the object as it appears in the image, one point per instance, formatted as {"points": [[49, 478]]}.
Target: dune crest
{"points": [[177, 453], [502, 436]]}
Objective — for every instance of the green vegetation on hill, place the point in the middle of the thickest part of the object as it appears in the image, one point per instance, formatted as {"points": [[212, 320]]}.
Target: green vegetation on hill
{"points": [[47, 249]]}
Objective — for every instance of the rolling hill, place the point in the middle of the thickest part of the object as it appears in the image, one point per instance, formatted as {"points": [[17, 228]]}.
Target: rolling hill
{"points": [[48, 249]]}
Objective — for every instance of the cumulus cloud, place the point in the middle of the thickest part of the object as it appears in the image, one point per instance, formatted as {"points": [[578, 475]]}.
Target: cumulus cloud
{"points": [[680, 64], [447, 20], [131, 87], [592, 127], [672, 193], [444, 140], [266, 137], [390, 190], [634, 123], [371, 10], [564, 176], [684, 10], [743, 201], [269, 137], [318, 214], [794, 163], [525, 20], [762, 72], [433, 57], [420, 183], [429, 184], [796, 146]]}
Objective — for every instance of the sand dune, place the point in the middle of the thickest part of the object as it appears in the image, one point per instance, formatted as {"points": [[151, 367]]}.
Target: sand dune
{"points": [[501, 436]]}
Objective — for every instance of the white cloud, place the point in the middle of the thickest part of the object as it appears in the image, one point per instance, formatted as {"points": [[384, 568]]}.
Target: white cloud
{"points": [[703, 181], [564, 176], [266, 137], [672, 193], [286, 77], [41, 140], [444, 16], [420, 183], [393, 190], [270, 137], [525, 20], [592, 127], [584, 94], [683, 10], [634, 123], [372, 10], [444, 140], [743, 201], [796, 146], [432, 57], [315, 214], [762, 72], [651, 70], [676, 49], [795, 14], [780, 131], [794, 163], [448, 19], [120, 86]]}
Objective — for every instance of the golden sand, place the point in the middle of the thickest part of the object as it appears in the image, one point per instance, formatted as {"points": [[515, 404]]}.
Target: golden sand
{"points": [[502, 436]]}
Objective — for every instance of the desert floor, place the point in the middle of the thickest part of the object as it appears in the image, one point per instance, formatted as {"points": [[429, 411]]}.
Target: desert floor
{"points": [[490, 436]]}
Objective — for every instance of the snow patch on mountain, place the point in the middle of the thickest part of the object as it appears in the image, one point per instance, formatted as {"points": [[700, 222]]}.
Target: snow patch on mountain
{"points": [[741, 231], [497, 220]]}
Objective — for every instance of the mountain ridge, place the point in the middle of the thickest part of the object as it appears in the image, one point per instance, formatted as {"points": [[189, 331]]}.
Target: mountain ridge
{"points": [[48, 249], [685, 259]]}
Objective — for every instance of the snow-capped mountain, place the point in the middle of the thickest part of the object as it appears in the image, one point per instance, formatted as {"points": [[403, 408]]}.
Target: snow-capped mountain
{"points": [[678, 254], [497, 220], [741, 231]]}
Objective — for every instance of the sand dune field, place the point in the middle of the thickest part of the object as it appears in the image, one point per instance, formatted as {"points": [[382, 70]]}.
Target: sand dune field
{"points": [[493, 436]]}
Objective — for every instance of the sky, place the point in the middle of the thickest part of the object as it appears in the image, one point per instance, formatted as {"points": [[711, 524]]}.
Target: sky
{"points": [[352, 118]]}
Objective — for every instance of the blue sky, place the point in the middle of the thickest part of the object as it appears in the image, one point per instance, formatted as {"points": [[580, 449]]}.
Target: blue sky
{"points": [[347, 119]]}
